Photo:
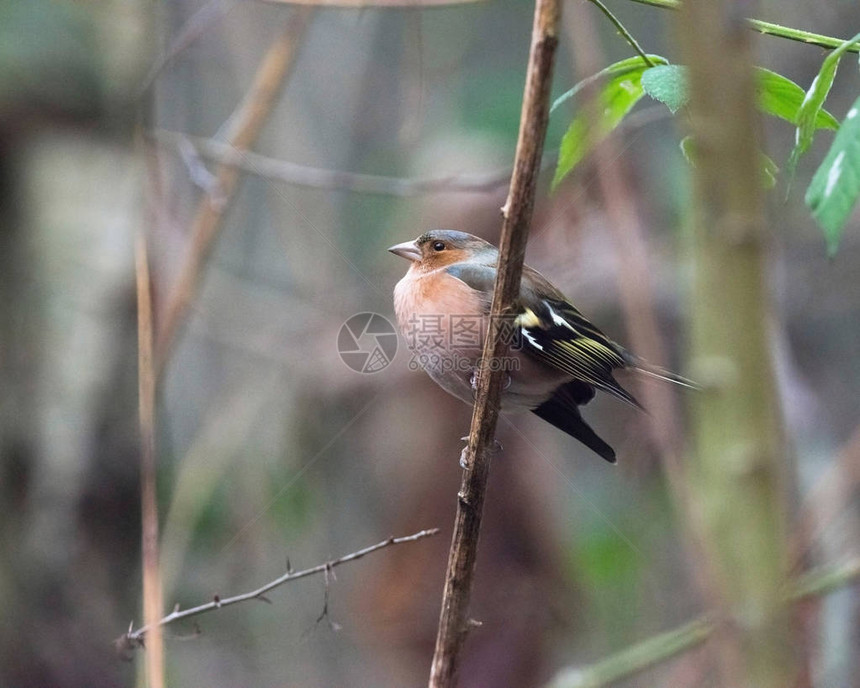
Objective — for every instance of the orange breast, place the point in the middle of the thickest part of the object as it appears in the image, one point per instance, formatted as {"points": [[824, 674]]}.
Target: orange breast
{"points": [[428, 297]]}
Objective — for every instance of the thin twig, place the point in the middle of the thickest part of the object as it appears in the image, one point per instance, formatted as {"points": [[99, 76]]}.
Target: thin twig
{"points": [[770, 29], [515, 227], [249, 120], [357, 182], [134, 638], [623, 31], [318, 178], [664, 646], [149, 503]]}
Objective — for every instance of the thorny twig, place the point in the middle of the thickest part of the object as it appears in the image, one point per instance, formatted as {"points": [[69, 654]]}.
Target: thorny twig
{"points": [[135, 638]]}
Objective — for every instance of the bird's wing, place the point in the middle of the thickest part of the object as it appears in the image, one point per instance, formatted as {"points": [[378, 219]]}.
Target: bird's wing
{"points": [[554, 331], [557, 334]]}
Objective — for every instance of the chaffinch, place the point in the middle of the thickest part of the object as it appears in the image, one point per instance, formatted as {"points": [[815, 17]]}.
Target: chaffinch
{"points": [[557, 358]]}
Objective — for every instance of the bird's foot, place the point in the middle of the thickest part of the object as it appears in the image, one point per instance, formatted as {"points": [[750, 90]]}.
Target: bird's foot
{"points": [[473, 382], [464, 464]]}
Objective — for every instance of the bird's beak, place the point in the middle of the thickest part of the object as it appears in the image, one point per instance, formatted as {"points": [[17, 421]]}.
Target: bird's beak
{"points": [[408, 250]]}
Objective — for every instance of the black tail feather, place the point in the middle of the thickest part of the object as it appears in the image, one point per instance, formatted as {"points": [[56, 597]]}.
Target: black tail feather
{"points": [[563, 412]]}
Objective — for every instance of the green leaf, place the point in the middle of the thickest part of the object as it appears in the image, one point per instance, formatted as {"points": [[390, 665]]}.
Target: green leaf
{"points": [[835, 186], [777, 95], [769, 169], [617, 96], [814, 101], [616, 69], [668, 84], [781, 97]]}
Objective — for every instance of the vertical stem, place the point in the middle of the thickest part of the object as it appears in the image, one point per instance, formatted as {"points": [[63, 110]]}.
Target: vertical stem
{"points": [[152, 603], [735, 471], [517, 217]]}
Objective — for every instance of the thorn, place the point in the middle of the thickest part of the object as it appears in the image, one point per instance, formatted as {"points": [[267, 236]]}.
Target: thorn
{"points": [[217, 600], [265, 599], [130, 626], [289, 566], [474, 623], [176, 608]]}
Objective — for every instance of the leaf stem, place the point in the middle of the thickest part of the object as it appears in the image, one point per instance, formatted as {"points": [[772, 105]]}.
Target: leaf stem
{"points": [[770, 29], [623, 31]]}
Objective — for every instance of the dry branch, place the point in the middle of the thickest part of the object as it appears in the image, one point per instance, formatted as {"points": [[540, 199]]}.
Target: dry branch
{"points": [[249, 120], [134, 638], [517, 216], [149, 504]]}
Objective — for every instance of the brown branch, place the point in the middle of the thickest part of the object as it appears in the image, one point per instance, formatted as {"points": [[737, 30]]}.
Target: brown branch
{"points": [[134, 639], [249, 120], [517, 217], [149, 508]]}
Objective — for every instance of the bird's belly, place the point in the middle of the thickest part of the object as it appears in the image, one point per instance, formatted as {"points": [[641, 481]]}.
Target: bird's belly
{"points": [[528, 383], [531, 382]]}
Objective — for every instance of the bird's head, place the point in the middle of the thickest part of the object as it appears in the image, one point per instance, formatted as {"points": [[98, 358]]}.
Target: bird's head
{"points": [[441, 247]]}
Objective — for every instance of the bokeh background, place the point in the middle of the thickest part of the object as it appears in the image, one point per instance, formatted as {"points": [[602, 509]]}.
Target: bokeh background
{"points": [[269, 446]]}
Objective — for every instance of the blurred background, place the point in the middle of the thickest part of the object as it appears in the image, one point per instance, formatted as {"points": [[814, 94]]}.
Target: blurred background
{"points": [[374, 125]]}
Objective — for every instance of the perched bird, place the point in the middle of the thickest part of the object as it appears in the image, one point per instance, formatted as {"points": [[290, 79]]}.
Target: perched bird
{"points": [[557, 358]]}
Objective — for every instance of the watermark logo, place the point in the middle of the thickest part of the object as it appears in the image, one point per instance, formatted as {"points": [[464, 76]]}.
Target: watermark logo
{"points": [[452, 343], [455, 362], [367, 342]]}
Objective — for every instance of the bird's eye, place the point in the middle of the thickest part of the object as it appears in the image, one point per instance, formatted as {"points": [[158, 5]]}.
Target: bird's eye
{"points": [[438, 245]]}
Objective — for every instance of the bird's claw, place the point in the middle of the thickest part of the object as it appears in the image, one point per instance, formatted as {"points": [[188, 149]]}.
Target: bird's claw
{"points": [[464, 464], [473, 382]]}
